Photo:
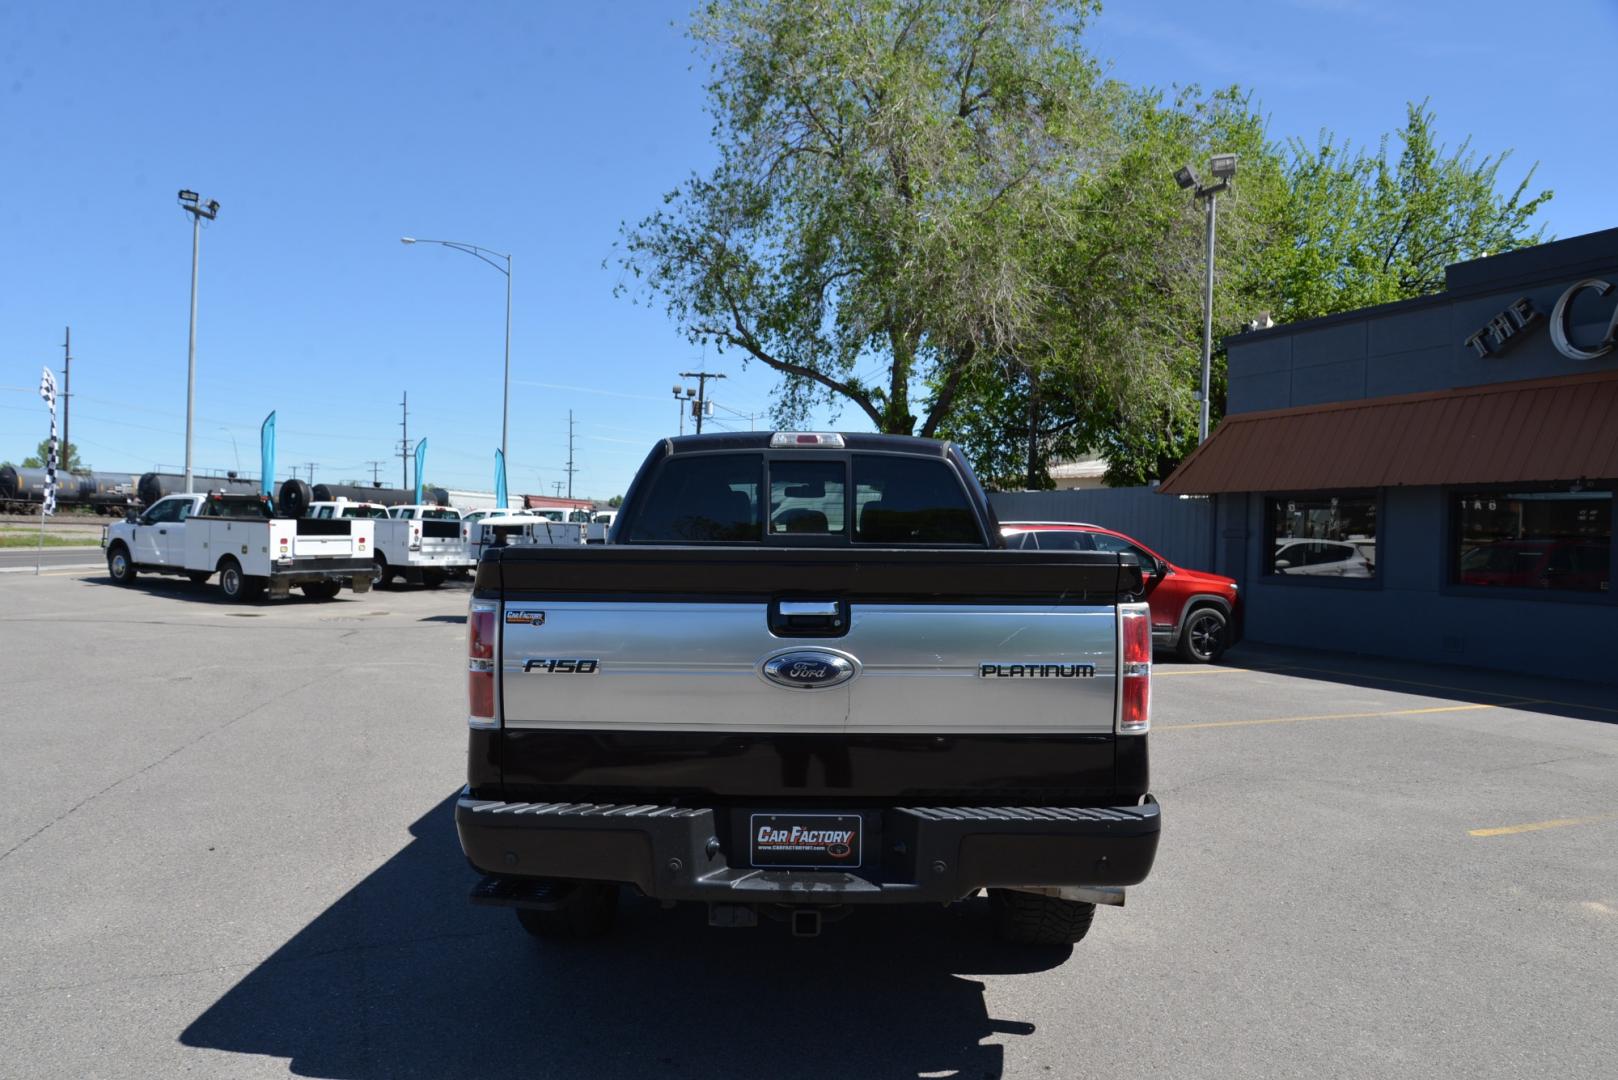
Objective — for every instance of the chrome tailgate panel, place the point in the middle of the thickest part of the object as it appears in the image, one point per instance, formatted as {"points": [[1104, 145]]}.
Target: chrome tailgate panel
{"points": [[695, 667]]}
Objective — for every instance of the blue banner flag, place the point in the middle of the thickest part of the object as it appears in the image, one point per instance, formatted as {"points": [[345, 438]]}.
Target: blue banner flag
{"points": [[266, 449], [421, 459], [500, 479]]}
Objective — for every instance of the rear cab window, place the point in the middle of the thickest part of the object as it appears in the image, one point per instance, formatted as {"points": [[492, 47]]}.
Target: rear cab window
{"points": [[811, 498]]}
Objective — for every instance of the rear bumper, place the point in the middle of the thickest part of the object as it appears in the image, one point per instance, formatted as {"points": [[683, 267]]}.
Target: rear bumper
{"points": [[305, 571], [914, 854]]}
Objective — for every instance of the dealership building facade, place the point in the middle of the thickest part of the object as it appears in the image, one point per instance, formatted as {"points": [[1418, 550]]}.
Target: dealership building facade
{"points": [[1431, 479]]}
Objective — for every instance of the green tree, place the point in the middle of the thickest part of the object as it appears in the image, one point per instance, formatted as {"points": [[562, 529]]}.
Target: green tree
{"points": [[67, 457], [615, 502], [1314, 231], [891, 176]]}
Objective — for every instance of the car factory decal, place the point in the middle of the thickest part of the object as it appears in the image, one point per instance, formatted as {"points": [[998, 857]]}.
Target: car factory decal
{"points": [[524, 617]]}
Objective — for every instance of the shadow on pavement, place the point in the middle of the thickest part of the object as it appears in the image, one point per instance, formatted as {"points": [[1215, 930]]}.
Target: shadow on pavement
{"points": [[207, 592], [402, 977], [1551, 694]]}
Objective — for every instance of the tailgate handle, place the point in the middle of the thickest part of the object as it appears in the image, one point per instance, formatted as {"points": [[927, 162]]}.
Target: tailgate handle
{"points": [[808, 618]]}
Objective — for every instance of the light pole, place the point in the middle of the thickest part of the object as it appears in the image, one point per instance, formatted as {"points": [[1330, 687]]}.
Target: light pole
{"points": [[1223, 166], [192, 204], [484, 254], [680, 406]]}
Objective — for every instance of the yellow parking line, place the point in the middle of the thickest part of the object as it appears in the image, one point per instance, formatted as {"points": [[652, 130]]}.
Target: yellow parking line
{"points": [[1322, 716], [1281, 669], [1536, 826]]}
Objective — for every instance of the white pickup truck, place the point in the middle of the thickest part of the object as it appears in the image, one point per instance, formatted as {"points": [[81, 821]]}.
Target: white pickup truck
{"points": [[420, 544], [484, 529], [240, 538]]}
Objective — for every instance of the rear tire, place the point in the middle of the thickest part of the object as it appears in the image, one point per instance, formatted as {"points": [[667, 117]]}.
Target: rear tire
{"points": [[1031, 919], [236, 586], [588, 910], [119, 568], [432, 579], [322, 590], [1203, 638], [380, 574]]}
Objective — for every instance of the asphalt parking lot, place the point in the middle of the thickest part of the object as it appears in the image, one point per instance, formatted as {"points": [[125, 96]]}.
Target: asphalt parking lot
{"points": [[226, 850]]}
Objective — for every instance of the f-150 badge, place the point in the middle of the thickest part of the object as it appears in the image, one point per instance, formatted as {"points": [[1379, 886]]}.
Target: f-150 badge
{"points": [[808, 669]]}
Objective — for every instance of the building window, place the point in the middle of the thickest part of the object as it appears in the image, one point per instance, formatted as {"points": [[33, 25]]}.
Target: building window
{"points": [[1534, 540], [1322, 536]]}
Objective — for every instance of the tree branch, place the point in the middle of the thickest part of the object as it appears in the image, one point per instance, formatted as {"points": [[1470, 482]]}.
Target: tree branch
{"points": [[946, 393], [742, 337]]}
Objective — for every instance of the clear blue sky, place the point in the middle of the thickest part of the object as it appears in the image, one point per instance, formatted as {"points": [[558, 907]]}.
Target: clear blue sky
{"points": [[327, 131]]}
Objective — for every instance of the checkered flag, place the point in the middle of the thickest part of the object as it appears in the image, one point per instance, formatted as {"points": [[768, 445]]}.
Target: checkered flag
{"points": [[47, 390]]}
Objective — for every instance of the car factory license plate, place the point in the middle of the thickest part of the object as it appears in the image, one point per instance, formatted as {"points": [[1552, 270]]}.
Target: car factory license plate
{"points": [[806, 840]]}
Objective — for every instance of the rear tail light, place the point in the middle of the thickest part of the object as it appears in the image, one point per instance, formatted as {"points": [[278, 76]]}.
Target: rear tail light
{"points": [[480, 630], [1135, 667]]}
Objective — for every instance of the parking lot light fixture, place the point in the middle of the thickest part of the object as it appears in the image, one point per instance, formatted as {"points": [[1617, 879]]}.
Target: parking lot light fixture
{"points": [[1223, 167], [489, 257]]}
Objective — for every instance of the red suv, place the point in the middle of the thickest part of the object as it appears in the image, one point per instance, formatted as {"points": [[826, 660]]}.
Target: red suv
{"points": [[1192, 611]]}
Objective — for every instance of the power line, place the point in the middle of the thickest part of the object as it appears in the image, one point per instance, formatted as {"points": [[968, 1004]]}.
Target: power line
{"points": [[376, 472]]}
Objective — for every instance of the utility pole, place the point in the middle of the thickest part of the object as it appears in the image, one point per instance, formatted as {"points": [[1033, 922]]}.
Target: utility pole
{"points": [[404, 443], [570, 469], [702, 378], [376, 473], [557, 484], [66, 396], [310, 465], [192, 204]]}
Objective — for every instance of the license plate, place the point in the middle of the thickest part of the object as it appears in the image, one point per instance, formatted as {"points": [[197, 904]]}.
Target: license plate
{"points": [[806, 840]]}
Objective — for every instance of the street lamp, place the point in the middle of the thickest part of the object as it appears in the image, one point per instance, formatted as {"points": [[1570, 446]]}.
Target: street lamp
{"points": [[680, 398], [1223, 166], [192, 204], [484, 254]]}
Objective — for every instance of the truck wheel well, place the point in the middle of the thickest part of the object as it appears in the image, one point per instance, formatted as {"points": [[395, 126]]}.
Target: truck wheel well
{"points": [[117, 545], [223, 559]]}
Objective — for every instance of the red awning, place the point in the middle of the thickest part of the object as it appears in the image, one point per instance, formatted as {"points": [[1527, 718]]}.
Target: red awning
{"points": [[1542, 430]]}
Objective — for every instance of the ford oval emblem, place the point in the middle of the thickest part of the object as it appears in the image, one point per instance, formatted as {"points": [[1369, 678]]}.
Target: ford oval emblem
{"points": [[808, 669]]}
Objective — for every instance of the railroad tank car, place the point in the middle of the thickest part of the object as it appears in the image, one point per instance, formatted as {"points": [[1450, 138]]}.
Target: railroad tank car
{"points": [[153, 486], [22, 490]]}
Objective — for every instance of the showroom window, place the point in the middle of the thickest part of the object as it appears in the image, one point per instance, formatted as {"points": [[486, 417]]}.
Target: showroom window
{"points": [[1321, 536], [1533, 540]]}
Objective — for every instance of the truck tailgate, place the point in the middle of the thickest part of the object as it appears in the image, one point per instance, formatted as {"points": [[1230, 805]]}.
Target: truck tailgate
{"points": [[972, 671], [327, 538]]}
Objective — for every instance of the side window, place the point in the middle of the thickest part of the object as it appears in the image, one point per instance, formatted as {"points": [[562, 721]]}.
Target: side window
{"points": [[905, 500], [1119, 546], [806, 498], [163, 511], [701, 499], [1067, 540], [182, 510], [1022, 541]]}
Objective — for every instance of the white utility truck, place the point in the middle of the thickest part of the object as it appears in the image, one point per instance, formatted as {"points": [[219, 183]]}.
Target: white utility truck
{"points": [[420, 544], [239, 538]]}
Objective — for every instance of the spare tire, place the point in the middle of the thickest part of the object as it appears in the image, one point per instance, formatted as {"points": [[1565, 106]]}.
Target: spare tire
{"points": [[295, 498]]}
